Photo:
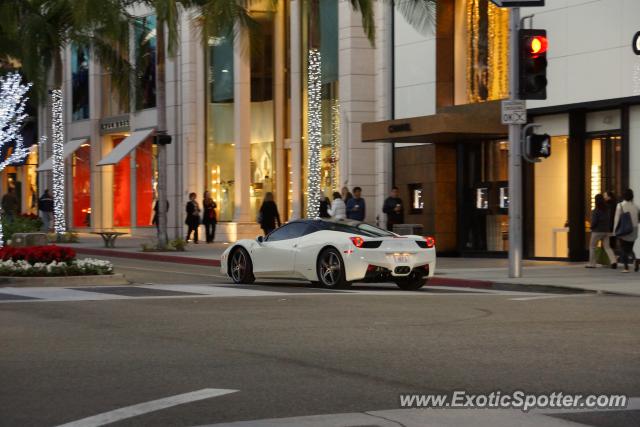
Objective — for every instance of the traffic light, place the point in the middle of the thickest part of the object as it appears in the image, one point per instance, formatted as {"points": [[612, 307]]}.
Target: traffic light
{"points": [[538, 146], [533, 64], [162, 139]]}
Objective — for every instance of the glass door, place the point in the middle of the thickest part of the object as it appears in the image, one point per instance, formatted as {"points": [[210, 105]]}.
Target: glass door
{"points": [[603, 170]]}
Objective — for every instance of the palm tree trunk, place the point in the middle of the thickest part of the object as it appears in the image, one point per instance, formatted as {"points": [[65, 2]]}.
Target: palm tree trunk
{"points": [[161, 106]]}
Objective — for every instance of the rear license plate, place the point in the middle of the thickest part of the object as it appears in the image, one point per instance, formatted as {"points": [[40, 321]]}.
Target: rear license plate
{"points": [[401, 258]]}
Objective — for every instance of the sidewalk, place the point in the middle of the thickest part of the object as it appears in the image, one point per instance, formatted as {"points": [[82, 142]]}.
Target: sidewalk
{"points": [[480, 272]]}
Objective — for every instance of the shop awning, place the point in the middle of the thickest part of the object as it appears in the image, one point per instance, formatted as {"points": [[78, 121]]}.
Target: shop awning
{"points": [[457, 123], [68, 149], [125, 147]]}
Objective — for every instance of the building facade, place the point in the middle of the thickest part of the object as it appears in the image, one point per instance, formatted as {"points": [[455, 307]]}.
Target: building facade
{"points": [[237, 110], [451, 151]]}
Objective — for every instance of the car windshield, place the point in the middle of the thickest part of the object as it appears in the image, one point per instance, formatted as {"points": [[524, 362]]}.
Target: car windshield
{"points": [[375, 230]]}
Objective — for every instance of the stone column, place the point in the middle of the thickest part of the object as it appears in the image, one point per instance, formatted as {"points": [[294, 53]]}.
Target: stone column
{"points": [[242, 124], [280, 174], [97, 172], [296, 107]]}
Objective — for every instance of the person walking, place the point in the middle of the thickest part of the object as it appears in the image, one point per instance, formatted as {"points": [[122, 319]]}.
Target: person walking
{"points": [[625, 227], [325, 204], [10, 205], [193, 217], [394, 209], [338, 209], [154, 220], [600, 232], [45, 206], [269, 217], [209, 218], [611, 201], [356, 208]]}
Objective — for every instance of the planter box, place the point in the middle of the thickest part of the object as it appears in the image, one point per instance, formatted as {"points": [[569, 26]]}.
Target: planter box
{"points": [[64, 281]]}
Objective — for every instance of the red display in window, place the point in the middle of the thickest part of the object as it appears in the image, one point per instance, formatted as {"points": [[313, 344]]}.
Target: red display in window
{"points": [[82, 187], [144, 184], [121, 190]]}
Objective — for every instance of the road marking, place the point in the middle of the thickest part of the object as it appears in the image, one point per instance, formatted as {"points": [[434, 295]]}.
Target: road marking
{"points": [[146, 407], [551, 296]]}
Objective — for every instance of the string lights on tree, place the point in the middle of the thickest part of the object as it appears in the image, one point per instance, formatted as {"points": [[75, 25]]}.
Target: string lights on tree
{"points": [[13, 100], [314, 119], [57, 132]]}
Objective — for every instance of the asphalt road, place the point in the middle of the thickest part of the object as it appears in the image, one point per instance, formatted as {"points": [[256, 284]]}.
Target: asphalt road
{"points": [[293, 352]]}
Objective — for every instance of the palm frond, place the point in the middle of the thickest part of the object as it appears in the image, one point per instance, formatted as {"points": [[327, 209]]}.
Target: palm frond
{"points": [[420, 14]]}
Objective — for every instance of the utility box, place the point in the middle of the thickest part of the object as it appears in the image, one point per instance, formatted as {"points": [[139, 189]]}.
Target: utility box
{"points": [[22, 240]]}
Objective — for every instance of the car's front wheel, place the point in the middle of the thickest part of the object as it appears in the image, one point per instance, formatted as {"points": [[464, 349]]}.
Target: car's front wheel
{"points": [[413, 281], [330, 269], [241, 267]]}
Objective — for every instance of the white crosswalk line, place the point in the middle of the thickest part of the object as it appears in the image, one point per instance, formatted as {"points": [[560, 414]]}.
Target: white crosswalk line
{"points": [[59, 294]]}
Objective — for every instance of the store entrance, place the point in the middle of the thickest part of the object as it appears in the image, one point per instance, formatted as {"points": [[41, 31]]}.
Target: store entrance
{"points": [[483, 198]]}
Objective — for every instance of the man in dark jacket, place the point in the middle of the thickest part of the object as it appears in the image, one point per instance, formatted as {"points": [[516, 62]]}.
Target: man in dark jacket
{"points": [[394, 209], [45, 205], [10, 205], [356, 206]]}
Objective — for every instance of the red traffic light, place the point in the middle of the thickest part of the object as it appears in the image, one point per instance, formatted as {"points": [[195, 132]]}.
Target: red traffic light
{"points": [[537, 45]]}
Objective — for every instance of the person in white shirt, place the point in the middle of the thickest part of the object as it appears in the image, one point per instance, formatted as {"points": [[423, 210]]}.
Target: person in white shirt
{"points": [[338, 209], [627, 240]]}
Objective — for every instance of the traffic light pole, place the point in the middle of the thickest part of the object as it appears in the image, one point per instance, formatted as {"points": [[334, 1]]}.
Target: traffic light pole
{"points": [[515, 154]]}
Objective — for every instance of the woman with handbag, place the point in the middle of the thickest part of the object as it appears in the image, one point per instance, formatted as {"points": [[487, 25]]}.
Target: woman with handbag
{"points": [[268, 217], [209, 219], [625, 228]]}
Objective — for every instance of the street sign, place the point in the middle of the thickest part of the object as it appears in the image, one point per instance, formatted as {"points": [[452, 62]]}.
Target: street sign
{"points": [[635, 44], [518, 3], [514, 112]]}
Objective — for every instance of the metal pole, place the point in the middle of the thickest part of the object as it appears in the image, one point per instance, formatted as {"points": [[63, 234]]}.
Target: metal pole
{"points": [[515, 156]]}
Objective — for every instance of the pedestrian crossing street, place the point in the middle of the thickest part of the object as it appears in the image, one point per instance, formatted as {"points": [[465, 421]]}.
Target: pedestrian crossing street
{"points": [[222, 290]]}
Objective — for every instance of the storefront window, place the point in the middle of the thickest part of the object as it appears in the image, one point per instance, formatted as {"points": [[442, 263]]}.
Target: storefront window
{"points": [[146, 182], [262, 115], [220, 149], [320, 31], [145, 59], [485, 222], [121, 190], [551, 230], [81, 174], [80, 82]]}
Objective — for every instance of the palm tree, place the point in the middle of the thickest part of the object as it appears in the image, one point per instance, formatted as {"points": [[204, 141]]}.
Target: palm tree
{"points": [[34, 33], [220, 17]]}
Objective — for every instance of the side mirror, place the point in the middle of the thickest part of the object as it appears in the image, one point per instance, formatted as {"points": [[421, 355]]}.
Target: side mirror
{"points": [[259, 239]]}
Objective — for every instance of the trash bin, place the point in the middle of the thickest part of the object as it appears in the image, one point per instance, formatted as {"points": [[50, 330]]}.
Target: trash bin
{"points": [[29, 239], [406, 229]]}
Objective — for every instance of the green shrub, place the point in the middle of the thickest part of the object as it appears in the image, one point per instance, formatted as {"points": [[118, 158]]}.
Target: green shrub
{"points": [[20, 224]]}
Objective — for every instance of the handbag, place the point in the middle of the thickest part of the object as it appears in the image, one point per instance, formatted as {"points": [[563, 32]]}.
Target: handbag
{"points": [[601, 256], [625, 225]]}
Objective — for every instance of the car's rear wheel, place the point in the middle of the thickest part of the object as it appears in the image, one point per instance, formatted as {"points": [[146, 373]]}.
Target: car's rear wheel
{"points": [[330, 269], [414, 281], [241, 267]]}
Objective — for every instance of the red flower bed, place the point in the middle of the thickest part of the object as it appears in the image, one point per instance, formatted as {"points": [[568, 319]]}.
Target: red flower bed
{"points": [[34, 254]]}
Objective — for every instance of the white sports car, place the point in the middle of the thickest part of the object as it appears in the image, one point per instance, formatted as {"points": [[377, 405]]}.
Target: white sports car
{"points": [[332, 254]]}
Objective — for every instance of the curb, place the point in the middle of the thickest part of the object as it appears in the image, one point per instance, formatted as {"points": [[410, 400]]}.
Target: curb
{"points": [[63, 281], [461, 283], [147, 256]]}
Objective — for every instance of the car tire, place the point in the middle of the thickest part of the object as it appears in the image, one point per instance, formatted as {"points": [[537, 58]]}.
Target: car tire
{"points": [[241, 267], [413, 281], [330, 270]]}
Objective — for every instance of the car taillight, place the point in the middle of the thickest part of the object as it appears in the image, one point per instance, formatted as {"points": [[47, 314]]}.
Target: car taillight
{"points": [[357, 241], [431, 242]]}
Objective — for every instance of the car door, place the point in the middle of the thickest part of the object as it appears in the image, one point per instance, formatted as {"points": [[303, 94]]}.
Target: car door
{"points": [[275, 256]]}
